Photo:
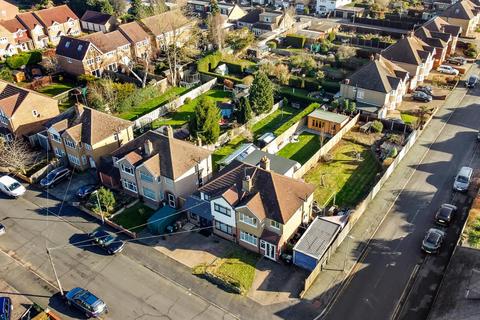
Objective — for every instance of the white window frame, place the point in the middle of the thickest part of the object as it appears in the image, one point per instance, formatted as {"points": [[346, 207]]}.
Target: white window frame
{"points": [[126, 169], [218, 208], [129, 185], [275, 224], [70, 144], [248, 220], [73, 159], [172, 200], [149, 190], [248, 238]]}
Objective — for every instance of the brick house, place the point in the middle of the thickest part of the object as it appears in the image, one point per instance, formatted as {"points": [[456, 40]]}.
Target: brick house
{"points": [[139, 39], [35, 29], [58, 21], [464, 14], [14, 37], [77, 56]]}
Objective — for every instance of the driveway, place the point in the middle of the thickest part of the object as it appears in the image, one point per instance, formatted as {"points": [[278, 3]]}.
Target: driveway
{"points": [[66, 190]]}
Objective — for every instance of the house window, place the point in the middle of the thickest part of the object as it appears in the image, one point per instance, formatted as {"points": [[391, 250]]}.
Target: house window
{"points": [[129, 185], [3, 117], [84, 160], [146, 176], [360, 94], [172, 202], [59, 152], [275, 224], [90, 61], [69, 143], [69, 60], [87, 146], [168, 182], [220, 209], [248, 238], [73, 159], [128, 170], [56, 137], [149, 193], [225, 228], [248, 220], [115, 136]]}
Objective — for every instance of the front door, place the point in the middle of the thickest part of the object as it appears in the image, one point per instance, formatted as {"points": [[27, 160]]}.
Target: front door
{"points": [[269, 250]]}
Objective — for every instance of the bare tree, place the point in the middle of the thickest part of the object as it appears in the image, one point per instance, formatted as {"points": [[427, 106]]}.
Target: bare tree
{"points": [[216, 33], [16, 155]]}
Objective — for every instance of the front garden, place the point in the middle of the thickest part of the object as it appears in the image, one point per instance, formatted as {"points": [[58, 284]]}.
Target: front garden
{"points": [[134, 218]]}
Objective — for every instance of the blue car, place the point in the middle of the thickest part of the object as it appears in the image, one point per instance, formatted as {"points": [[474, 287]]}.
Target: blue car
{"points": [[6, 308], [86, 302], [85, 191]]}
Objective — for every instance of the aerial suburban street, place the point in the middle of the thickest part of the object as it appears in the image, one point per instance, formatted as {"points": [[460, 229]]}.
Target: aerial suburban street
{"points": [[394, 278]]}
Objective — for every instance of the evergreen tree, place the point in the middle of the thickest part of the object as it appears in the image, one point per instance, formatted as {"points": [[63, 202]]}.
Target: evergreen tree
{"points": [[214, 9], [261, 93], [244, 112], [136, 8], [205, 121]]}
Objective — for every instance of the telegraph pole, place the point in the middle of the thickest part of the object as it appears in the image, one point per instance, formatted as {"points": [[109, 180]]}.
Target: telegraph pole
{"points": [[55, 273]]}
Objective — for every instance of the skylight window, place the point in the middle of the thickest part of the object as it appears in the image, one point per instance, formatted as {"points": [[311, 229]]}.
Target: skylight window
{"points": [[67, 44], [80, 46]]}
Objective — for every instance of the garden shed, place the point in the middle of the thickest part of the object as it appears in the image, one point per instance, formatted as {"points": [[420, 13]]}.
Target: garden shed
{"points": [[159, 221]]}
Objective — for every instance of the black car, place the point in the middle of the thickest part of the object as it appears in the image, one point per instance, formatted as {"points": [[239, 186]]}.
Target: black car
{"points": [[445, 214], [433, 240], [426, 89], [54, 177], [471, 82], [106, 241], [421, 96], [6, 308], [459, 61], [85, 191]]}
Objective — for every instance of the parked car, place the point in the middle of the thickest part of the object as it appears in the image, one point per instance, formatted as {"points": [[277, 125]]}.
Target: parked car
{"points": [[3, 230], [6, 308], [54, 177], [459, 61], [462, 179], [107, 241], [85, 191], [471, 82], [433, 240], [86, 302], [427, 89], [448, 70], [445, 214], [11, 187], [421, 96]]}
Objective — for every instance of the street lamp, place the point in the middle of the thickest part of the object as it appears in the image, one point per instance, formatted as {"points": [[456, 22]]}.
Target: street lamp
{"points": [[346, 252], [99, 206]]}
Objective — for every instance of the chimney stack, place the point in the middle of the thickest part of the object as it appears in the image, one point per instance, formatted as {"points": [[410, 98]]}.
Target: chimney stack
{"points": [[169, 132], [199, 141], [265, 163], [148, 147], [247, 184]]}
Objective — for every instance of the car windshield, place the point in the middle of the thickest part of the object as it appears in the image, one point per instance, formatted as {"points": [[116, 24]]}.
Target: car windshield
{"points": [[14, 186], [462, 179]]}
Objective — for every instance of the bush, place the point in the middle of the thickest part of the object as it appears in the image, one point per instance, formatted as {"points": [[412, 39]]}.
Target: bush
{"points": [[471, 50], [106, 199], [295, 41], [272, 44], [235, 67], [377, 126], [187, 100], [23, 59]]}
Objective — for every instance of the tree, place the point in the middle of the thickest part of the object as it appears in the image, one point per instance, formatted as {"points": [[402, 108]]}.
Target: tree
{"points": [[244, 112], [50, 64], [105, 198], [304, 61], [261, 93], [119, 7], [136, 9], [216, 33], [240, 39], [280, 71], [377, 126], [320, 75], [331, 36], [205, 121], [214, 8], [16, 155]]}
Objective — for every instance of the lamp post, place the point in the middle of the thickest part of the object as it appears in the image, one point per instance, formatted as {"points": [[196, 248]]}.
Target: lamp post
{"points": [[99, 206]]}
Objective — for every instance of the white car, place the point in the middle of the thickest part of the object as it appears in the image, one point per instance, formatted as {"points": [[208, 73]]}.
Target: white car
{"points": [[448, 70], [11, 187]]}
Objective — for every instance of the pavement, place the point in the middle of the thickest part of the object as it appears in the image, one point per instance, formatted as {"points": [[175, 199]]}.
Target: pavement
{"points": [[393, 278], [20, 302]]}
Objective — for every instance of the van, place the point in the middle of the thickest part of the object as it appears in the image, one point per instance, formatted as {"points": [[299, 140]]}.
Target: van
{"points": [[462, 179]]}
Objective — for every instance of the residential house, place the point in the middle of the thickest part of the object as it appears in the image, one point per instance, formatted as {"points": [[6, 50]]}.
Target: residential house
{"points": [[326, 6], [231, 12], [438, 25], [14, 37], [464, 14], [23, 112], [7, 10], [260, 21], [413, 55], [58, 21], [377, 87], [326, 122], [439, 41], [35, 29], [77, 56], [85, 135], [166, 28], [139, 40], [115, 48], [256, 207], [93, 21], [160, 168]]}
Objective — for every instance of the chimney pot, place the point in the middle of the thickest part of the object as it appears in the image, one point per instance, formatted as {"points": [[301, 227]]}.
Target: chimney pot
{"points": [[265, 163], [148, 147], [247, 184]]}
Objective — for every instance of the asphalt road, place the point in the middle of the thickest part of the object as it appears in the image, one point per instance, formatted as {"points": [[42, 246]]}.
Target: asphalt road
{"points": [[394, 279], [131, 290]]}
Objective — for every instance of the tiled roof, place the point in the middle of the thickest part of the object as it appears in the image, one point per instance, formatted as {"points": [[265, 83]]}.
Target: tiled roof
{"points": [[272, 195], [173, 157], [59, 14], [409, 50], [96, 17], [165, 22], [463, 10], [74, 48], [11, 97], [29, 20], [438, 24], [133, 31], [12, 25], [107, 42], [252, 16], [434, 39]]}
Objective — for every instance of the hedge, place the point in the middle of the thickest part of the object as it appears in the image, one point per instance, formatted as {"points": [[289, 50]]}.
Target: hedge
{"points": [[23, 59], [284, 127], [304, 83], [295, 41], [211, 61], [295, 96], [331, 86]]}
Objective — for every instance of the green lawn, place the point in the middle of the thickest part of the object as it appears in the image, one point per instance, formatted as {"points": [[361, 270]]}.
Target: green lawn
{"points": [[183, 114], [308, 143], [54, 89], [346, 175], [408, 118], [134, 216], [152, 104]]}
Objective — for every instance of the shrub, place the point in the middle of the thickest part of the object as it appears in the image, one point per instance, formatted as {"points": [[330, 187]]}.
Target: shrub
{"points": [[106, 199], [23, 59], [377, 126], [187, 100], [272, 44], [471, 50], [248, 80], [295, 40]]}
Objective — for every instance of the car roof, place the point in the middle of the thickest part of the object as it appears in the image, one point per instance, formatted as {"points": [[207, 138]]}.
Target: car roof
{"points": [[445, 210], [7, 180]]}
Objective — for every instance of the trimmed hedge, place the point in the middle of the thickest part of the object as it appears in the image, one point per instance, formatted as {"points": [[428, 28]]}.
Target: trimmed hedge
{"points": [[23, 59], [284, 127], [211, 61], [295, 41], [296, 96]]}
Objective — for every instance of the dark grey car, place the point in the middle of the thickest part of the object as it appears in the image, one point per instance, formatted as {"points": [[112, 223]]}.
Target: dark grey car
{"points": [[433, 240]]}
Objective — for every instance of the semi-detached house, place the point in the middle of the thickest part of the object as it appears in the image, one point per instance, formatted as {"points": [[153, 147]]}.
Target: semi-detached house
{"points": [[161, 169], [58, 21], [256, 207]]}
